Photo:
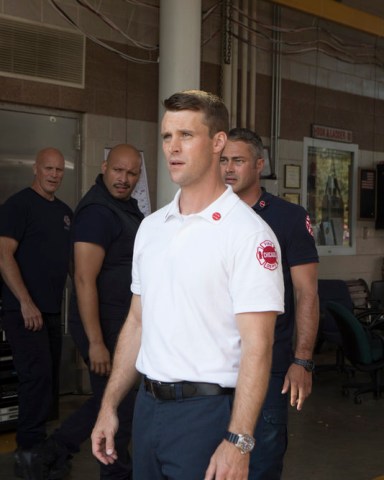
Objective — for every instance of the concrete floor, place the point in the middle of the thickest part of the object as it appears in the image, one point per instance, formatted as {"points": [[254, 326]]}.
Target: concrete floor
{"points": [[332, 438]]}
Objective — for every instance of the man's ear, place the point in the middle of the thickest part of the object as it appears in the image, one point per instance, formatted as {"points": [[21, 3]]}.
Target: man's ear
{"points": [[103, 167], [219, 141], [260, 165]]}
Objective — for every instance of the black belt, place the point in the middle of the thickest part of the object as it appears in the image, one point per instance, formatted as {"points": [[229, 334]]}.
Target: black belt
{"points": [[171, 391]]}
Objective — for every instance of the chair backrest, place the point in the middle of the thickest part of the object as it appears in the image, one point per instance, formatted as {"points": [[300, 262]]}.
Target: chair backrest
{"points": [[356, 344], [334, 290], [377, 294], [337, 291]]}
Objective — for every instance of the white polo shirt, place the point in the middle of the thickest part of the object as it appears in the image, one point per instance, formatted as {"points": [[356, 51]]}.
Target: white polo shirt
{"points": [[194, 273]]}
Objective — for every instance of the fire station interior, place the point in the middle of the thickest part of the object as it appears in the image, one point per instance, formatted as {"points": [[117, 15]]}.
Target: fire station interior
{"points": [[309, 78]]}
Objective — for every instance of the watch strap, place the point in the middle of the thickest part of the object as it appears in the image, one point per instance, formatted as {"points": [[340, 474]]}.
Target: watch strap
{"points": [[231, 437], [309, 365]]}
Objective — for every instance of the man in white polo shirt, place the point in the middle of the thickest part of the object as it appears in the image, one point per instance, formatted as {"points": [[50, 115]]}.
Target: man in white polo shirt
{"points": [[207, 286]]}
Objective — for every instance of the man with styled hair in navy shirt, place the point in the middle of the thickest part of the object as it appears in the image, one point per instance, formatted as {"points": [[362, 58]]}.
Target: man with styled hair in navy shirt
{"points": [[34, 256], [242, 162]]}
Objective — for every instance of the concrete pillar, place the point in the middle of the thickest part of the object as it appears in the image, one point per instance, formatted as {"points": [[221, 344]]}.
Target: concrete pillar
{"points": [[179, 69]]}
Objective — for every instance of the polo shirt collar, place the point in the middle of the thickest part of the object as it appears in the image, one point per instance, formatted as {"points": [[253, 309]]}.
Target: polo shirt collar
{"points": [[263, 201], [215, 212]]}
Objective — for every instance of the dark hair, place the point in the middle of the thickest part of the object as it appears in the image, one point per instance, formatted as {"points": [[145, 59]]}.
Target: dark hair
{"points": [[251, 138], [214, 109]]}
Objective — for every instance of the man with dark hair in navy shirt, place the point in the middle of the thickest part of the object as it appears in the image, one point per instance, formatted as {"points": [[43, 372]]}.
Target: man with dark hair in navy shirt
{"points": [[34, 256], [241, 163], [104, 229]]}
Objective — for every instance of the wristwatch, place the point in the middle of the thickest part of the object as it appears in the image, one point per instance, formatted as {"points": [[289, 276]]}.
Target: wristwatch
{"points": [[309, 365], [244, 443]]}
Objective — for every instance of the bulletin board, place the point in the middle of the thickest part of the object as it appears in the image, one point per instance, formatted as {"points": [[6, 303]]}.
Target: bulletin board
{"points": [[367, 192]]}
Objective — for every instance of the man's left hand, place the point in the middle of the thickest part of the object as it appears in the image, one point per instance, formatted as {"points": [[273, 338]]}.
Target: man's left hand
{"points": [[300, 382], [227, 463]]}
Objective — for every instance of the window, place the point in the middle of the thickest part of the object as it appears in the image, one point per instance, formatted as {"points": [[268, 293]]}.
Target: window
{"points": [[330, 170]]}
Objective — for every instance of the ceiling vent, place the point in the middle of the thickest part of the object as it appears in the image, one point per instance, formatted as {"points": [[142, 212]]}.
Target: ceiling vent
{"points": [[37, 52]]}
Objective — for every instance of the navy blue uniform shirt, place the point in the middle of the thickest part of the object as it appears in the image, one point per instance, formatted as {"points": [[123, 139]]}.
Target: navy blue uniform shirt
{"points": [[42, 229], [292, 227], [111, 223]]}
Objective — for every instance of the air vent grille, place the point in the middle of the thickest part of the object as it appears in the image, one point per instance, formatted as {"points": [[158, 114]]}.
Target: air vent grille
{"points": [[37, 52]]}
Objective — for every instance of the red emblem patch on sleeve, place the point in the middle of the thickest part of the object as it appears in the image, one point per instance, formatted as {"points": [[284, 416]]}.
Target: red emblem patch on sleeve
{"points": [[266, 254], [308, 225]]}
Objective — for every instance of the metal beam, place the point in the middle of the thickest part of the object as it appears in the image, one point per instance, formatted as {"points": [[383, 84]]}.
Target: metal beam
{"points": [[335, 11]]}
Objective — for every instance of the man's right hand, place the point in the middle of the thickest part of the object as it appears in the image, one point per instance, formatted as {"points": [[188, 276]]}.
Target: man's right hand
{"points": [[33, 319], [103, 445], [99, 359]]}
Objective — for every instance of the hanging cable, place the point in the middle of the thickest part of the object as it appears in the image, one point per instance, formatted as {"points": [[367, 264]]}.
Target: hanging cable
{"points": [[136, 43], [325, 42], [97, 41]]}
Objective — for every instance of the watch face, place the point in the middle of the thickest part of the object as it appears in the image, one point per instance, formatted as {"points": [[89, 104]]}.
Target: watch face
{"points": [[245, 443], [310, 366]]}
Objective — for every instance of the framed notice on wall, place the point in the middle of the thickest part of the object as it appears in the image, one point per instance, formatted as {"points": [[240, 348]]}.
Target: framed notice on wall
{"points": [[292, 197], [292, 176], [367, 192]]}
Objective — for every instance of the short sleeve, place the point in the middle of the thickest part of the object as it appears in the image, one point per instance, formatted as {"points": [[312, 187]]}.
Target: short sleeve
{"points": [[96, 224], [301, 247], [13, 219]]}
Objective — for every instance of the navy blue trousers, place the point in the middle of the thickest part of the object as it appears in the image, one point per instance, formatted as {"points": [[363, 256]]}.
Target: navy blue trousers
{"points": [[175, 439], [271, 433], [75, 429], [36, 357]]}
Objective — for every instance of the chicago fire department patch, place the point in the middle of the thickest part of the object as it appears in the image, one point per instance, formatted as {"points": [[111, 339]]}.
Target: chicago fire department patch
{"points": [[266, 255], [308, 225]]}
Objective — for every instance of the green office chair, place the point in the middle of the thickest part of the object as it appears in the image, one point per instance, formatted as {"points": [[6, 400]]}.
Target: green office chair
{"points": [[363, 347]]}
